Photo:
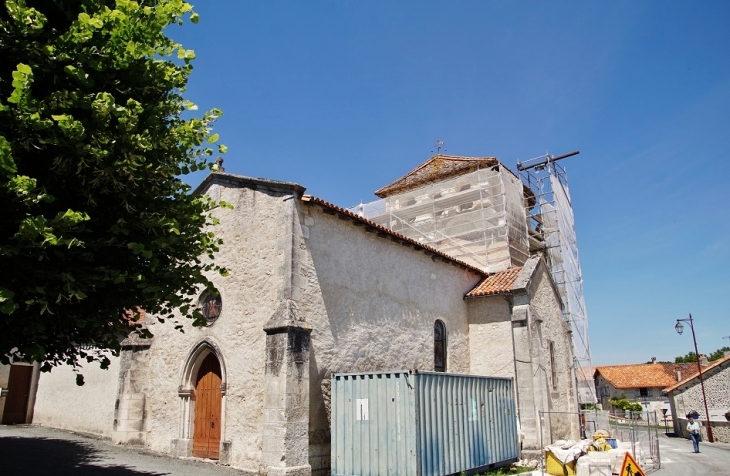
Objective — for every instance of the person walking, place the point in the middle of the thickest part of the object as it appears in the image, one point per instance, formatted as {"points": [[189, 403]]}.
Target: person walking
{"points": [[694, 433]]}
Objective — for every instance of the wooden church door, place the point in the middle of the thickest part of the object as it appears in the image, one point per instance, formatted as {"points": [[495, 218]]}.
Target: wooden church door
{"points": [[207, 432], [16, 402]]}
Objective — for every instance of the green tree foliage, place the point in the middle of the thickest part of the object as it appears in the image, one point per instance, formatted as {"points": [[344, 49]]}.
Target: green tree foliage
{"points": [[718, 354], [95, 219], [687, 358], [623, 403], [692, 357]]}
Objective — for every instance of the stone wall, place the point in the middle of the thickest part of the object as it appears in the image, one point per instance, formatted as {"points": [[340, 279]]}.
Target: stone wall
{"points": [[372, 304], [256, 236], [490, 337], [131, 422], [538, 323], [720, 430], [717, 389], [546, 304], [60, 403]]}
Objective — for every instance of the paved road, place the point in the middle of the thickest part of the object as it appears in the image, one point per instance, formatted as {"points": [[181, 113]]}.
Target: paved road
{"points": [[32, 450], [679, 460]]}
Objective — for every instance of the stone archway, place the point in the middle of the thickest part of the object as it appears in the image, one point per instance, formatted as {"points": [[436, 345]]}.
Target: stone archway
{"points": [[207, 409], [202, 393]]}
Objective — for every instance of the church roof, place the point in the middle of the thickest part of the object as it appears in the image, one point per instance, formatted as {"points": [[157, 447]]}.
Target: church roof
{"points": [[497, 283], [436, 168], [642, 375], [371, 226]]}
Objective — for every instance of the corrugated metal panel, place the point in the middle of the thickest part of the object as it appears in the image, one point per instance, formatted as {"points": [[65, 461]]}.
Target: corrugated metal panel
{"points": [[403, 423], [373, 424]]}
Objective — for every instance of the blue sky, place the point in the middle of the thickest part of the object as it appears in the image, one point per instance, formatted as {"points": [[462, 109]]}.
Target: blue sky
{"points": [[345, 97]]}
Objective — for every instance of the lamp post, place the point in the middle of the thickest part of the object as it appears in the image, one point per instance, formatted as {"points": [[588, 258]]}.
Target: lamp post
{"points": [[679, 327]]}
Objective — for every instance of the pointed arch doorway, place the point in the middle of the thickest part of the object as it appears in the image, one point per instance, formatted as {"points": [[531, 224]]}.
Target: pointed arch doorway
{"points": [[208, 402]]}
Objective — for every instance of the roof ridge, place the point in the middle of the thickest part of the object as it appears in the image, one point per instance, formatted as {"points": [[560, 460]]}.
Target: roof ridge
{"points": [[460, 157], [715, 363], [455, 166]]}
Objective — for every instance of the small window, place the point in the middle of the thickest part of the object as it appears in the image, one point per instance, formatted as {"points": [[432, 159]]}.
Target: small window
{"points": [[643, 392], [553, 367], [439, 347], [211, 306]]}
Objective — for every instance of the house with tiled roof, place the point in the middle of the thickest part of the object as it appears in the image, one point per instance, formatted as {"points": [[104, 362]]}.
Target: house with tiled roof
{"points": [[448, 276], [643, 383], [686, 396]]}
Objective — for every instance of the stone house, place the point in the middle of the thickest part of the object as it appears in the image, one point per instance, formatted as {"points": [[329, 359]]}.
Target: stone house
{"points": [[686, 396], [317, 289], [643, 383]]}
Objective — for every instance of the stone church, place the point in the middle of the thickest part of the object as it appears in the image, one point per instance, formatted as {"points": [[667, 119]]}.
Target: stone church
{"points": [[442, 274]]}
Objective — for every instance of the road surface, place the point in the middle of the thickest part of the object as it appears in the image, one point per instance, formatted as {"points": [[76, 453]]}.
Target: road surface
{"points": [[679, 460], [33, 450]]}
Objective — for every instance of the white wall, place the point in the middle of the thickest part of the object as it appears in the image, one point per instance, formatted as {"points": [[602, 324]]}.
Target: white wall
{"points": [[60, 403], [490, 337], [372, 304]]}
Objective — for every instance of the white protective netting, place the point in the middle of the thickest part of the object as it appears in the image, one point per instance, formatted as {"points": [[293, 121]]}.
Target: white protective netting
{"points": [[478, 217], [556, 215]]}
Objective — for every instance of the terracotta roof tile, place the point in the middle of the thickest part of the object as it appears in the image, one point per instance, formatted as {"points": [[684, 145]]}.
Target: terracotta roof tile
{"points": [[371, 225], [695, 374], [498, 283], [642, 375], [434, 169]]}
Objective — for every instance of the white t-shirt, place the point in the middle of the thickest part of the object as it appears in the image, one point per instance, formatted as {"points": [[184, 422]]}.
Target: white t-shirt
{"points": [[693, 427]]}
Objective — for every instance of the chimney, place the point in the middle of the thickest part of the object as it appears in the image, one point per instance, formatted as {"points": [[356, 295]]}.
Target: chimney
{"points": [[703, 360], [679, 375], [653, 360], [726, 354]]}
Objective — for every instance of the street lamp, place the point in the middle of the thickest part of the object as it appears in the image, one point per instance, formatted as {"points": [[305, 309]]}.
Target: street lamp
{"points": [[680, 328]]}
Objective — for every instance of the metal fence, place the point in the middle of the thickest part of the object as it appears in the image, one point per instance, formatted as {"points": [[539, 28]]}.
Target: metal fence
{"points": [[637, 432], [639, 429]]}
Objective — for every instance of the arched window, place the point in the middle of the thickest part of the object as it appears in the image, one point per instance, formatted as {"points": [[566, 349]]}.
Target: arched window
{"points": [[439, 347]]}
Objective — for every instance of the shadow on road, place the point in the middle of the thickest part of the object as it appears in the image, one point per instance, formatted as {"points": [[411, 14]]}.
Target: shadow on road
{"points": [[58, 457]]}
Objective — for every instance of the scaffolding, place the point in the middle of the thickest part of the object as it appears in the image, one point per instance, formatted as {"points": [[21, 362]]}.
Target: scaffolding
{"points": [[493, 219], [551, 222], [477, 217]]}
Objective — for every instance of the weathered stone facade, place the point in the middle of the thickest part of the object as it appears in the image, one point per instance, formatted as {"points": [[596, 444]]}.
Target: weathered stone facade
{"points": [[313, 291], [686, 397]]}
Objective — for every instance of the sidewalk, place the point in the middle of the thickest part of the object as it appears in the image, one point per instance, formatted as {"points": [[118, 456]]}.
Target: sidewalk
{"points": [[677, 459]]}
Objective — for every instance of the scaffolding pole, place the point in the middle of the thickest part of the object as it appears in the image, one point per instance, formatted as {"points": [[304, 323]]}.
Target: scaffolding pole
{"points": [[552, 218]]}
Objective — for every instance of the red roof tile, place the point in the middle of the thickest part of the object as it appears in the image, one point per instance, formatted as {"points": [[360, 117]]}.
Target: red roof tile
{"points": [[695, 374], [642, 375], [498, 283], [436, 168]]}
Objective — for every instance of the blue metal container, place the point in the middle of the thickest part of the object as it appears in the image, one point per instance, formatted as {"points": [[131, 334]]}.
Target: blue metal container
{"points": [[421, 423]]}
